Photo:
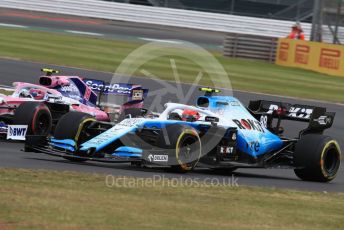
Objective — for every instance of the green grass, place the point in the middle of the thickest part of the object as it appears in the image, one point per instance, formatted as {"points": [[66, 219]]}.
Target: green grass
{"points": [[68, 200], [5, 92], [106, 55]]}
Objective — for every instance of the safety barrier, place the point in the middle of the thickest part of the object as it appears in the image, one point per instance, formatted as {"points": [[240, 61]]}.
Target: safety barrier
{"points": [[250, 46], [164, 16], [316, 56]]}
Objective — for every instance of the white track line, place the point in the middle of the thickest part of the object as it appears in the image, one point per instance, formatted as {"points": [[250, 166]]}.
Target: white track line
{"points": [[13, 25], [83, 33], [160, 40]]}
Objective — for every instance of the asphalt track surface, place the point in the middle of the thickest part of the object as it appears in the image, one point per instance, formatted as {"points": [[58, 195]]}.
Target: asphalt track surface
{"points": [[112, 29], [14, 70], [11, 155]]}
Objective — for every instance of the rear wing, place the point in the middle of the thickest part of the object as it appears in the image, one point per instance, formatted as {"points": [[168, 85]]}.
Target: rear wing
{"points": [[317, 117], [132, 91]]}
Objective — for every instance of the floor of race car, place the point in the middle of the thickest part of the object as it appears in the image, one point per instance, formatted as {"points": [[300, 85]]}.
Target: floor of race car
{"points": [[12, 157]]}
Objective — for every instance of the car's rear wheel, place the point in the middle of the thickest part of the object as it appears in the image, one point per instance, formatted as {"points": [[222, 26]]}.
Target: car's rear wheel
{"points": [[317, 158], [36, 115], [73, 126], [185, 143]]}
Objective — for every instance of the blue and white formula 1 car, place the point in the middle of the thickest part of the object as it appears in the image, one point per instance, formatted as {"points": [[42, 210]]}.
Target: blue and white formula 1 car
{"points": [[220, 133]]}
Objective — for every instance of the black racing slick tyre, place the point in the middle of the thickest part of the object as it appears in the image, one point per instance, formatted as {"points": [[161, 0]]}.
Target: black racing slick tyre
{"points": [[185, 144], [317, 158], [36, 115], [72, 126]]}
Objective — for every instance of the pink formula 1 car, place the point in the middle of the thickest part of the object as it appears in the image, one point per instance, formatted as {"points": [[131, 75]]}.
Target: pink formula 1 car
{"points": [[35, 109]]}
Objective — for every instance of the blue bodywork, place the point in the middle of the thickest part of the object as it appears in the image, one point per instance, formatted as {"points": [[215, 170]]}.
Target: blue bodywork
{"points": [[127, 126], [3, 128], [252, 137], [125, 151]]}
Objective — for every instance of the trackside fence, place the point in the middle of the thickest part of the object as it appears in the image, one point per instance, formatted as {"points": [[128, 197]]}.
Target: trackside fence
{"points": [[250, 46], [247, 37]]}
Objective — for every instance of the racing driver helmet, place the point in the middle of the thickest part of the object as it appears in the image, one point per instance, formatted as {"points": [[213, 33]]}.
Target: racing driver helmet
{"points": [[37, 94], [190, 115]]}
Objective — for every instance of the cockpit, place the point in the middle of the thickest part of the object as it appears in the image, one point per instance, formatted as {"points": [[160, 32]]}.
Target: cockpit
{"points": [[187, 113], [32, 92]]}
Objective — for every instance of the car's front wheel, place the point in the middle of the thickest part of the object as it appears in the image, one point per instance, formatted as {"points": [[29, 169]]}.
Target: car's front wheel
{"points": [[36, 115], [72, 126], [184, 142]]}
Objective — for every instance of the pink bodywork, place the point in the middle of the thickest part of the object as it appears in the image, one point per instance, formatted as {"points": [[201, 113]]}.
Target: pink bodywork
{"points": [[94, 111], [9, 103], [129, 106]]}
